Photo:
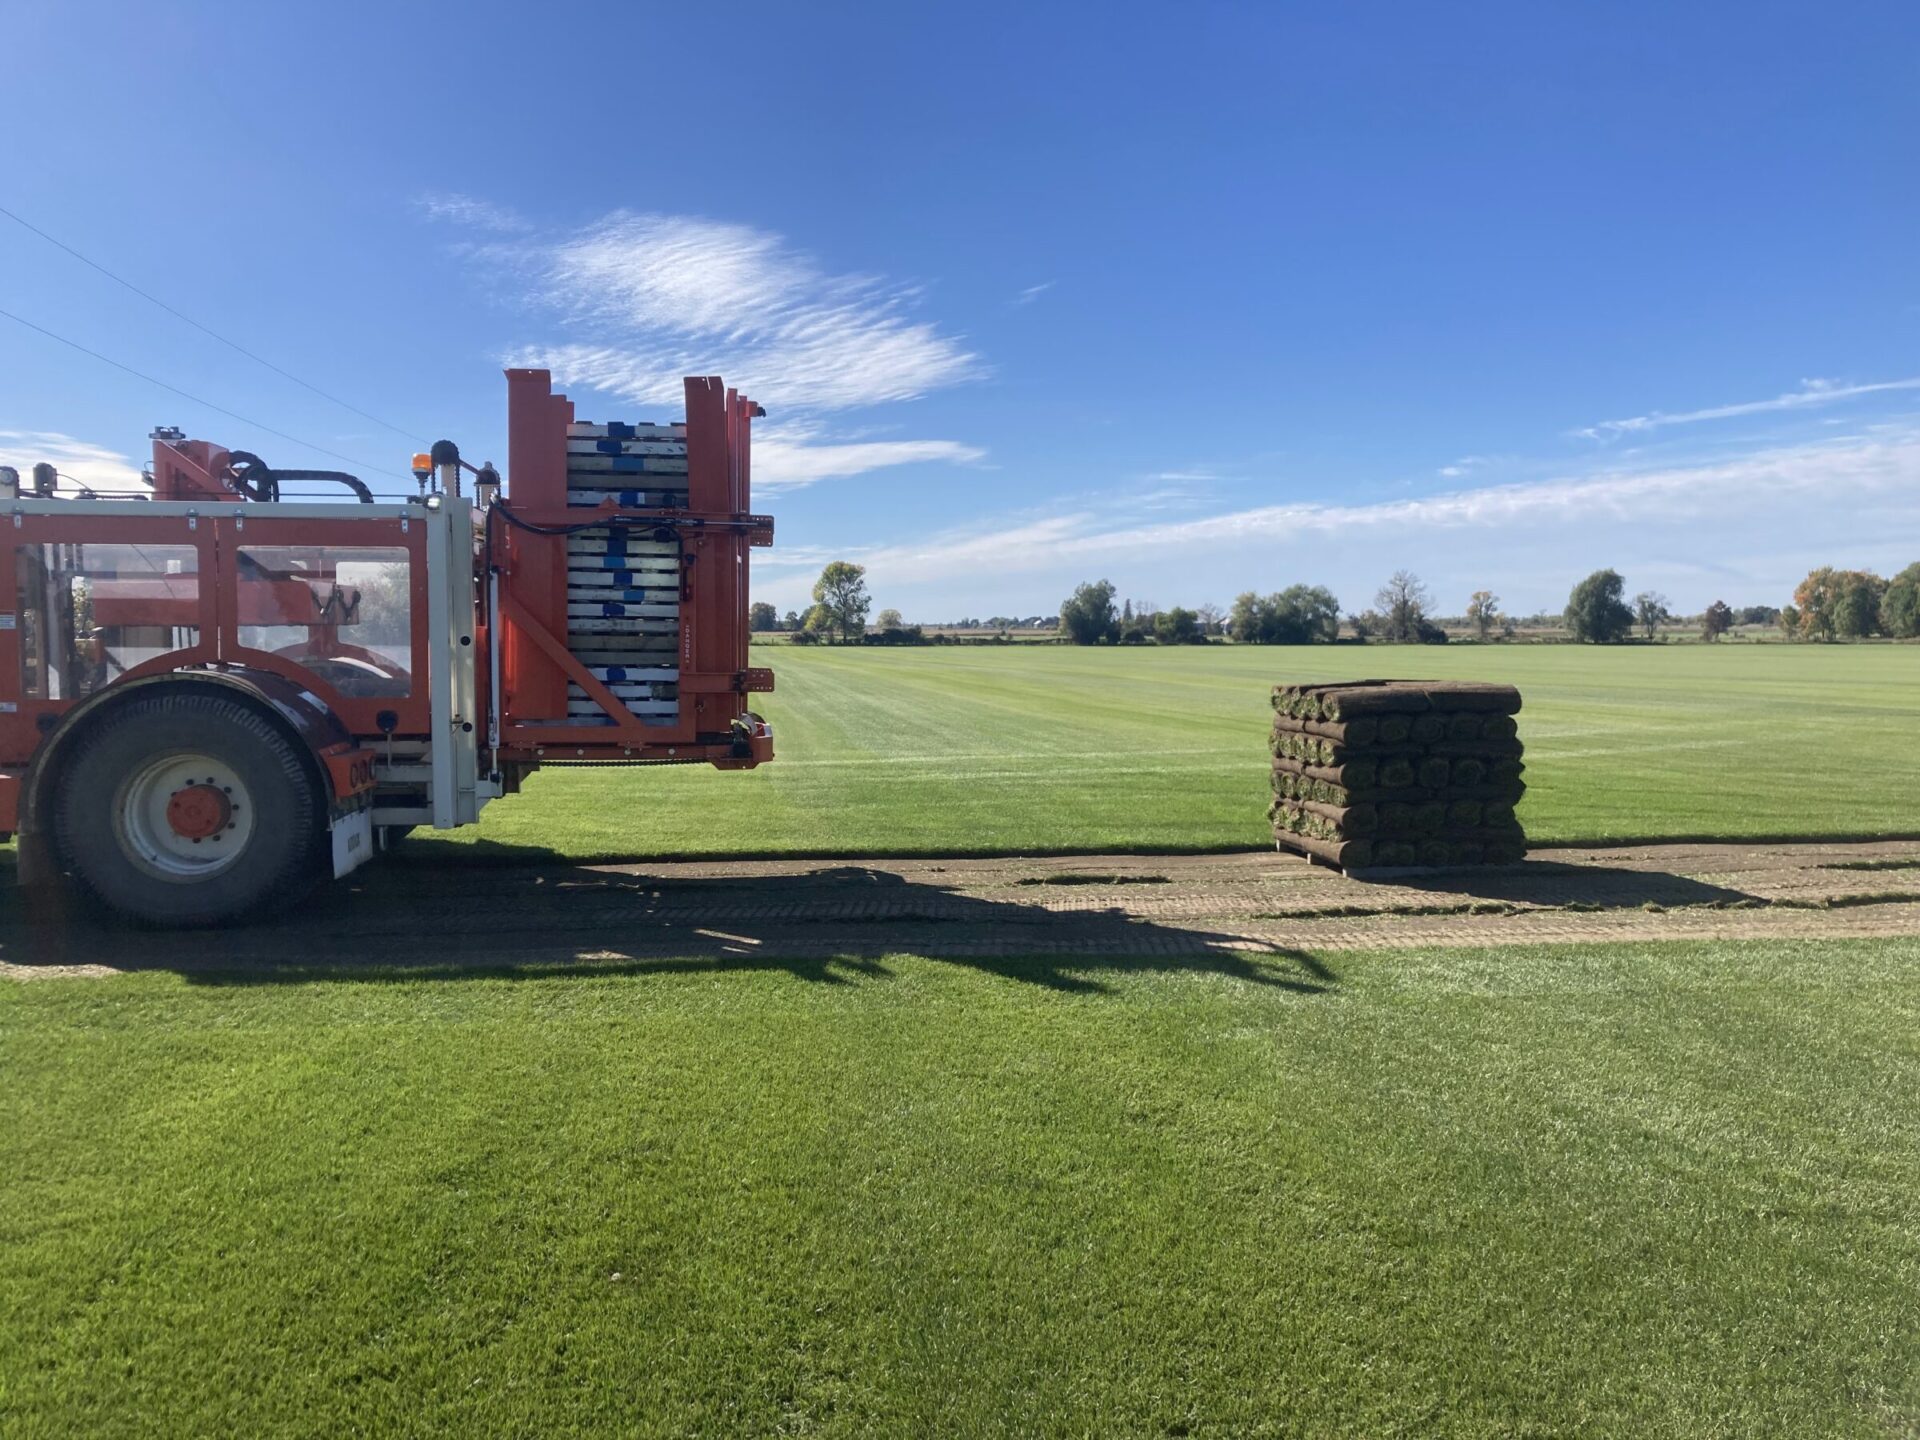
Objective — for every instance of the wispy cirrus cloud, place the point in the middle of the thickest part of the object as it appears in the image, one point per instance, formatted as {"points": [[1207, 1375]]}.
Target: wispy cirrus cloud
{"points": [[1811, 393], [473, 214], [786, 459], [1465, 465], [78, 461], [1033, 293], [673, 295], [644, 300]]}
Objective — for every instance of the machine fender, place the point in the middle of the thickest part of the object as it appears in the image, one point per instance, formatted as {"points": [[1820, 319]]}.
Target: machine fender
{"points": [[301, 714]]}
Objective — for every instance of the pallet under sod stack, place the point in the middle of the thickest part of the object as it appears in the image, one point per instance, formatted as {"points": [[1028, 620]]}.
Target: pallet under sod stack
{"points": [[1387, 774], [623, 580]]}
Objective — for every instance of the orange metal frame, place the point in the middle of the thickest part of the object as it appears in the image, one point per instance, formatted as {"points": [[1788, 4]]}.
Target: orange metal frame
{"points": [[716, 531]]}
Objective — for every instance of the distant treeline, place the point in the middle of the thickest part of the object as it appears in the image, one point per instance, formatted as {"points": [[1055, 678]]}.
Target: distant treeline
{"points": [[1829, 604]]}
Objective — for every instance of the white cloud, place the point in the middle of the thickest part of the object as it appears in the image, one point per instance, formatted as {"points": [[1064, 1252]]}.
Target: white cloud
{"points": [[648, 299], [1033, 293], [466, 211], [783, 463], [77, 461], [675, 295], [1695, 526], [1460, 467], [1810, 393]]}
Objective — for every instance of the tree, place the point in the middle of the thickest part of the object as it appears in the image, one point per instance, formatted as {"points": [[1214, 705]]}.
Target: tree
{"points": [[1087, 615], [761, 616], [1211, 618], [1861, 592], [842, 590], [1839, 604], [792, 622], [1176, 627], [1650, 609], [818, 622], [1483, 614], [1403, 602], [1789, 620], [1757, 615], [1717, 620], [889, 619], [1900, 606], [1298, 615], [1595, 612]]}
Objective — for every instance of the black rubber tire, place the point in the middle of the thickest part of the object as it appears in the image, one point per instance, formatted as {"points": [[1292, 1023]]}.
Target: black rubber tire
{"points": [[283, 856]]}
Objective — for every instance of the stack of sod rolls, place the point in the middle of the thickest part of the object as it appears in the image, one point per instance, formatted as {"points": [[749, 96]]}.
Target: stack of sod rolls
{"points": [[1390, 773]]}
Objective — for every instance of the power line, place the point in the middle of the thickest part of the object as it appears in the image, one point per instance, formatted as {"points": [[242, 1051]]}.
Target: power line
{"points": [[230, 344], [186, 395]]}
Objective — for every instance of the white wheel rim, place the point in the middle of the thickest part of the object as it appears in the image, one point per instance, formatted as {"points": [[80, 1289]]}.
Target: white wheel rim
{"points": [[183, 817]]}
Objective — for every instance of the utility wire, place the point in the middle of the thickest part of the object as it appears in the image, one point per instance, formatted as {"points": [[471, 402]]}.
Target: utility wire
{"points": [[230, 344], [187, 395]]}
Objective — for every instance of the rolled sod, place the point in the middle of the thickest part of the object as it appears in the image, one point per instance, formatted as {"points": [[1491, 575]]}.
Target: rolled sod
{"points": [[1348, 699], [1361, 773], [1310, 749], [1354, 821], [1396, 771], [1478, 749], [1499, 727], [1353, 734], [1469, 770], [1425, 773], [1294, 786], [1347, 854], [1373, 697]]}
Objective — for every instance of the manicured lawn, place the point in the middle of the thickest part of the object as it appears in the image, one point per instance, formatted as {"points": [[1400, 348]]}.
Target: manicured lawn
{"points": [[1630, 1190], [992, 749]]}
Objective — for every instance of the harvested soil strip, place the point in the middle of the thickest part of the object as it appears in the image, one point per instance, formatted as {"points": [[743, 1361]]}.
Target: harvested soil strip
{"points": [[659, 917]]}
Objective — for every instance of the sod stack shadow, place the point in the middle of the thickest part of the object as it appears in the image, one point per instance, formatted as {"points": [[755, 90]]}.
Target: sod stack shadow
{"points": [[1389, 773]]}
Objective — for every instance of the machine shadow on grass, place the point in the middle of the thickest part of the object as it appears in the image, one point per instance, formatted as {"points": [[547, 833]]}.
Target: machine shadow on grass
{"points": [[830, 925], [1573, 885]]}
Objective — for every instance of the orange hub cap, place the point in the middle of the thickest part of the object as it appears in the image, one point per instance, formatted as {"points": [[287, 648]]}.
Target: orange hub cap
{"points": [[197, 811]]}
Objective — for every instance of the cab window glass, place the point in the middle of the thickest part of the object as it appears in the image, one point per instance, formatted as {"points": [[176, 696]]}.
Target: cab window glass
{"points": [[86, 614], [343, 612]]}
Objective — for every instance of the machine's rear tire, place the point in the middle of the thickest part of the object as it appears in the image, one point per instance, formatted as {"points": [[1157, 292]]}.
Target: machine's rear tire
{"points": [[189, 809]]}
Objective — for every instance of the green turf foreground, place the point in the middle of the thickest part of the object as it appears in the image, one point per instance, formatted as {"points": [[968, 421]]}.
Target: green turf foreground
{"points": [[1632, 1190], [992, 749]]}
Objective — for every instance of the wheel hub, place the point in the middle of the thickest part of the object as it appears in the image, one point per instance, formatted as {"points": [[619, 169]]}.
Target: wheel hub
{"points": [[184, 817], [197, 811]]}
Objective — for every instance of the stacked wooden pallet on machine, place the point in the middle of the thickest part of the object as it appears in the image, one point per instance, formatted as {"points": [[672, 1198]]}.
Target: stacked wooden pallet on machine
{"points": [[1373, 775], [623, 578]]}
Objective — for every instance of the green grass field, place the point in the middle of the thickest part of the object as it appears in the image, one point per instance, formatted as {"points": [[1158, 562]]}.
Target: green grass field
{"points": [[1622, 1190], [1009, 748]]}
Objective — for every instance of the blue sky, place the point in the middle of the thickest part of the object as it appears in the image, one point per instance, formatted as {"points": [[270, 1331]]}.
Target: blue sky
{"points": [[1200, 298]]}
